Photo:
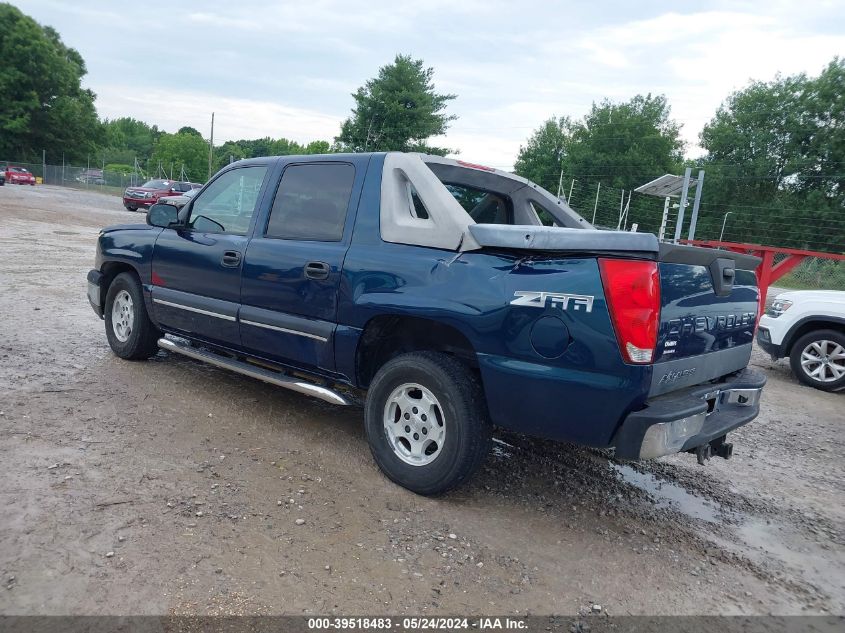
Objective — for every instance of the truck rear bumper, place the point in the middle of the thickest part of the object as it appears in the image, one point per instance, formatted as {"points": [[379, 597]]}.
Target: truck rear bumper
{"points": [[690, 417]]}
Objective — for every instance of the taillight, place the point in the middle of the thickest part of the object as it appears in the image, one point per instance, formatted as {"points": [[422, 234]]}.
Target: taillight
{"points": [[632, 290]]}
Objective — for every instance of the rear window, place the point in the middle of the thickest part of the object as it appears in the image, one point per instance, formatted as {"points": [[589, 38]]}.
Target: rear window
{"points": [[483, 206], [311, 202]]}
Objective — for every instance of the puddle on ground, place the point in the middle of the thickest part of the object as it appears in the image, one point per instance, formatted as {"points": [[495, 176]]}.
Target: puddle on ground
{"points": [[815, 561], [669, 495], [766, 541]]}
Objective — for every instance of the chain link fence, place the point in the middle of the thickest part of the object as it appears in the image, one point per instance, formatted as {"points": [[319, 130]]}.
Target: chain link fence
{"points": [[815, 273], [87, 177], [610, 208]]}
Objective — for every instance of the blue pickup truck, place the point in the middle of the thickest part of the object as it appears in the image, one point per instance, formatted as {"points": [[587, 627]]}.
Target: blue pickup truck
{"points": [[446, 297]]}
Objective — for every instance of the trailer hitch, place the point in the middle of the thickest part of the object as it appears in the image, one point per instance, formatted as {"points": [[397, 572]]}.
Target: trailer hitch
{"points": [[718, 448]]}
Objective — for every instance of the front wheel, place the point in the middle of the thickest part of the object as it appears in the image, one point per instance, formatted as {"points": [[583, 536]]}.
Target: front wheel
{"points": [[129, 330], [426, 422], [818, 359]]}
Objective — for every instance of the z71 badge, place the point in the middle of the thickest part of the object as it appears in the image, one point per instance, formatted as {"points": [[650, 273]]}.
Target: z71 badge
{"points": [[560, 300]]}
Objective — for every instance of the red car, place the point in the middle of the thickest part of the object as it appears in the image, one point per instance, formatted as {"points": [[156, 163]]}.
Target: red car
{"points": [[148, 194], [19, 176]]}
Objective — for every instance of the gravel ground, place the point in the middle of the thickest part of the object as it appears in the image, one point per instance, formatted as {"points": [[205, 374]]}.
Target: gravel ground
{"points": [[168, 487]]}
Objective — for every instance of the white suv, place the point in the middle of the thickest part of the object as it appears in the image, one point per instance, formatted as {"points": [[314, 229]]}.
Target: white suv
{"points": [[808, 326]]}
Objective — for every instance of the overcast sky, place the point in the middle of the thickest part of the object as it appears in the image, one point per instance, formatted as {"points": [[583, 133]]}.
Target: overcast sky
{"points": [[288, 68]]}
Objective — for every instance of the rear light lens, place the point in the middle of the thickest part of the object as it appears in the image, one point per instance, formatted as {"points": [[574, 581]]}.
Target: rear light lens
{"points": [[632, 290]]}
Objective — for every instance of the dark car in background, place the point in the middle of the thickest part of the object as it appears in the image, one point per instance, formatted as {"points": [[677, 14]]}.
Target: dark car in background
{"points": [[149, 193], [92, 177], [19, 176], [2, 178]]}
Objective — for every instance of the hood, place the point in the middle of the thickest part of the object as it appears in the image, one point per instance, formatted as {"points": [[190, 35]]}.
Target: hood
{"points": [[836, 296], [126, 227]]}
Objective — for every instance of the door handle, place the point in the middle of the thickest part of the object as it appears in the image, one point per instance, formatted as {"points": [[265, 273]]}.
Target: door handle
{"points": [[231, 259], [317, 270]]}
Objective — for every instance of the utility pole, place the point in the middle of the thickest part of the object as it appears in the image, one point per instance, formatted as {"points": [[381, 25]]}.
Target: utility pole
{"points": [[596, 205], [724, 219], [684, 191], [662, 232], [560, 183], [43, 166], [211, 147], [695, 205]]}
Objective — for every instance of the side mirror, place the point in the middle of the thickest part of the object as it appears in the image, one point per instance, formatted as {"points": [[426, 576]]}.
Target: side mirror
{"points": [[162, 215]]}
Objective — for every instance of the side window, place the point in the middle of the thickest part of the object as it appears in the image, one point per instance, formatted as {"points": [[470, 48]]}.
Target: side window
{"points": [[546, 218], [227, 204], [311, 202], [417, 207]]}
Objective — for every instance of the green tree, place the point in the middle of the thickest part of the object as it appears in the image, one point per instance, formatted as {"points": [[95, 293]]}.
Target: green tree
{"points": [[775, 158], [119, 168], [174, 151], [624, 145], [228, 152], [187, 129], [237, 150], [126, 138], [43, 103], [317, 147], [546, 153], [397, 110]]}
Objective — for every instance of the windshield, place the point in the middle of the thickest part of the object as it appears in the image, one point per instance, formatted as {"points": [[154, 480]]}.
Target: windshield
{"points": [[158, 184], [21, 170]]}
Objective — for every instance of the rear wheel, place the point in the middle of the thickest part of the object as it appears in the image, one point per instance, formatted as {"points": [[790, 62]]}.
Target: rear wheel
{"points": [[129, 330], [818, 359], [426, 421]]}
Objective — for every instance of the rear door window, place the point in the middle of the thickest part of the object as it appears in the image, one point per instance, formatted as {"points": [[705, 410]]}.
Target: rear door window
{"points": [[311, 202]]}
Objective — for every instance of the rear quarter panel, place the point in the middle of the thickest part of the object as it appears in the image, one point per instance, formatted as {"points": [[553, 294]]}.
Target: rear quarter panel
{"points": [[579, 394]]}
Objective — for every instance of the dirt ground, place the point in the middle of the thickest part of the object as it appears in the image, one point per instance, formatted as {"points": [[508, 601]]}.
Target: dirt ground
{"points": [[168, 487]]}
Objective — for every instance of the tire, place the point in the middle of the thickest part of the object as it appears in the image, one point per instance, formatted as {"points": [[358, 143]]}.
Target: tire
{"points": [[131, 334], [132, 209], [827, 375], [451, 425]]}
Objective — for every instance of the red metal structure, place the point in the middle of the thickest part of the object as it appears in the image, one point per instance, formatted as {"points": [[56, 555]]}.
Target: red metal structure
{"points": [[768, 271]]}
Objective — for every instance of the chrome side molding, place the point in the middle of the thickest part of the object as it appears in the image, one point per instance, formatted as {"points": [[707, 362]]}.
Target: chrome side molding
{"points": [[275, 378]]}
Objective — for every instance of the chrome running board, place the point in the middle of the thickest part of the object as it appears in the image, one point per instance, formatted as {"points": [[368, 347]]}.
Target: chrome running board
{"points": [[273, 377]]}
